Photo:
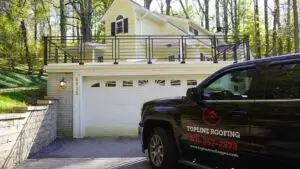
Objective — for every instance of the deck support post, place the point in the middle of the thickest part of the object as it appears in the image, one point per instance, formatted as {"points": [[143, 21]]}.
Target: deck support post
{"points": [[183, 50]]}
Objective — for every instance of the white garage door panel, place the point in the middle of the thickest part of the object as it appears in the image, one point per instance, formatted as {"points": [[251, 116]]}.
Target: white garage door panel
{"points": [[115, 111]]}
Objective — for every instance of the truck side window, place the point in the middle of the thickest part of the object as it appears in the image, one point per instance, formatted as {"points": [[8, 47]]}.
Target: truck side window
{"points": [[232, 85], [283, 81]]}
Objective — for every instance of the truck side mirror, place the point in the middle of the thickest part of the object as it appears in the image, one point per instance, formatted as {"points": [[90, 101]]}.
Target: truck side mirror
{"points": [[192, 93]]}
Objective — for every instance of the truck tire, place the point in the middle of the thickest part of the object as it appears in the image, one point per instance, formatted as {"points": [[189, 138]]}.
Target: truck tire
{"points": [[162, 149]]}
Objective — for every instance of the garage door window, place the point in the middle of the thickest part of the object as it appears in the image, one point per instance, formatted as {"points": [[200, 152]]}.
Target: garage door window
{"points": [[110, 84], [175, 82], [128, 83], [143, 82], [160, 82], [191, 82], [96, 85]]}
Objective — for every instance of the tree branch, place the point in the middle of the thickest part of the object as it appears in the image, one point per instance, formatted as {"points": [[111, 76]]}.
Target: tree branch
{"points": [[72, 25], [184, 10], [73, 3], [71, 17], [50, 2], [272, 11], [200, 6]]}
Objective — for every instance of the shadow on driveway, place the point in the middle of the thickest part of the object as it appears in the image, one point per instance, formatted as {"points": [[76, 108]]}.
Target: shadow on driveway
{"points": [[96, 153], [92, 148]]}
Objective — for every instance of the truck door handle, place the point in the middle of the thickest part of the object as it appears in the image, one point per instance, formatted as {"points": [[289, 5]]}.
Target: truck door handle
{"points": [[238, 113]]}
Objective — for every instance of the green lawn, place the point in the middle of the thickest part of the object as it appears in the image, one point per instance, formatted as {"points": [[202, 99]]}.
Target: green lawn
{"points": [[19, 98], [20, 79], [19, 89], [7, 104]]}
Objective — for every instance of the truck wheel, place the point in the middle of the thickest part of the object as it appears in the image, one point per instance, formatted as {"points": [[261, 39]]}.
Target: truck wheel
{"points": [[162, 150]]}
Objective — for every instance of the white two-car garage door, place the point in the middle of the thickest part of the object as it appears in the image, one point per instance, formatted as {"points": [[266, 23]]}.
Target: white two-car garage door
{"points": [[112, 105]]}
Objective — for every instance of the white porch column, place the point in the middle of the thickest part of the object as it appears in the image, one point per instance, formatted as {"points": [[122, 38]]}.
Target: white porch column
{"points": [[93, 56], [78, 127]]}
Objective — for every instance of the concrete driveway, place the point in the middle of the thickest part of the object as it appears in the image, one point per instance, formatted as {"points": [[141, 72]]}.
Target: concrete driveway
{"points": [[98, 153]]}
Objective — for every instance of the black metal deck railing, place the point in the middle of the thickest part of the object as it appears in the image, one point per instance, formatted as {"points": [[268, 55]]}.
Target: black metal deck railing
{"points": [[148, 49]]}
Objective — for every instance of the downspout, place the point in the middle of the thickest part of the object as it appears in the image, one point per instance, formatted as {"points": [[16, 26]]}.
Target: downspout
{"points": [[141, 21]]}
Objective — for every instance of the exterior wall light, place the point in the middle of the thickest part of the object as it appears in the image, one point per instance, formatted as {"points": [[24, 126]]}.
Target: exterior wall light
{"points": [[169, 45], [62, 83]]}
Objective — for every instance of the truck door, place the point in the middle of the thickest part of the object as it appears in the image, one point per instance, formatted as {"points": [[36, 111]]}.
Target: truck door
{"points": [[275, 124], [216, 125]]}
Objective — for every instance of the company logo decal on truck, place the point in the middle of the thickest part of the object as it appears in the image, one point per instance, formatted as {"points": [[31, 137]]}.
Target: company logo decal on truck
{"points": [[205, 138], [209, 143], [211, 117], [214, 132]]}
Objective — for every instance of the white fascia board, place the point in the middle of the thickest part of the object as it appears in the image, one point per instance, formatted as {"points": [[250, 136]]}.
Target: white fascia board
{"points": [[138, 69], [151, 15]]}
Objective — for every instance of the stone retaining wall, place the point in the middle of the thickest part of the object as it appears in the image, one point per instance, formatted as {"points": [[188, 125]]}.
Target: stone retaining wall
{"points": [[26, 132]]}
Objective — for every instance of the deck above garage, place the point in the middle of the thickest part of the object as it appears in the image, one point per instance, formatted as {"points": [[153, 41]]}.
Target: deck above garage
{"points": [[146, 49]]}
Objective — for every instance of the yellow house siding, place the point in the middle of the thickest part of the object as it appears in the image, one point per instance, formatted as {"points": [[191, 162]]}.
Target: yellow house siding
{"points": [[181, 24], [143, 23], [124, 8], [150, 27]]}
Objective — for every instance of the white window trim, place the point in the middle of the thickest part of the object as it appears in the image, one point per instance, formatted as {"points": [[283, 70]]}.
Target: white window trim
{"points": [[116, 27]]}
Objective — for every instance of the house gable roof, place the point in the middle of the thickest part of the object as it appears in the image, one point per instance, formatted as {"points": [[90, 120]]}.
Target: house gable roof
{"points": [[190, 22], [162, 18], [111, 6]]}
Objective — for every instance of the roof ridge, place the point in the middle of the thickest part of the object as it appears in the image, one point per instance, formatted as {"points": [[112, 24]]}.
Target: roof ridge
{"points": [[137, 3], [171, 16]]}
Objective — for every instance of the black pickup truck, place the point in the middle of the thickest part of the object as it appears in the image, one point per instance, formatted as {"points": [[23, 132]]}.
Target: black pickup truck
{"points": [[246, 115]]}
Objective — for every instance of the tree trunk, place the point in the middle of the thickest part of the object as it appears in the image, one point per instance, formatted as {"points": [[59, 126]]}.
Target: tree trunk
{"points": [[184, 10], [206, 6], [267, 28], [74, 23], [48, 20], [49, 26], [257, 31], [236, 23], [63, 30], [232, 16], [218, 25], [85, 18], [288, 22], [35, 31], [35, 23], [274, 46], [280, 45], [84, 11], [147, 3], [27, 53], [78, 31], [168, 7], [201, 10], [296, 22], [161, 6], [236, 28], [225, 10], [89, 20]]}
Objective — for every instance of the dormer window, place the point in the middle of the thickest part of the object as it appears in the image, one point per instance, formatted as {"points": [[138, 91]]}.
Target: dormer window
{"points": [[119, 26], [193, 30]]}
